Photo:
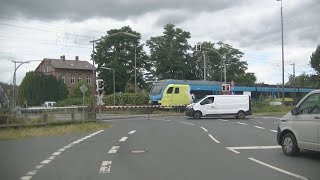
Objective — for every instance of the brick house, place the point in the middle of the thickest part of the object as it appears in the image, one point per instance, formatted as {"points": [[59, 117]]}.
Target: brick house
{"points": [[70, 71]]}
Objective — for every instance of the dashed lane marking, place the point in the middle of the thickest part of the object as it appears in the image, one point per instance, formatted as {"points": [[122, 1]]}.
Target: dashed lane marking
{"points": [[187, 123], [114, 149], [123, 139], [241, 123], [214, 139], [105, 167], [278, 169], [274, 131], [204, 129], [259, 127], [26, 177], [31, 173], [56, 153], [131, 132]]}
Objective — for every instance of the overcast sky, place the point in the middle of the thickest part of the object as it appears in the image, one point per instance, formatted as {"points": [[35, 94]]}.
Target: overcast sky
{"points": [[37, 29]]}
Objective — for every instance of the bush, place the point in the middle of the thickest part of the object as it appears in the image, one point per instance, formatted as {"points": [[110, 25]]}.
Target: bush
{"points": [[127, 99]]}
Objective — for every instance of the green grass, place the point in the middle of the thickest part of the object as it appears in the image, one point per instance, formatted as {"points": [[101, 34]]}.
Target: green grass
{"points": [[50, 130]]}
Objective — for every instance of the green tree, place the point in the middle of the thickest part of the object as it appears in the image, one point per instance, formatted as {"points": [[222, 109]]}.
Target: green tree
{"points": [[76, 92], [117, 51], [236, 69], [304, 80], [169, 54], [36, 88], [315, 60]]}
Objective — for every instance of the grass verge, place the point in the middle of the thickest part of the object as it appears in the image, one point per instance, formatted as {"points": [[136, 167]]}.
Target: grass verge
{"points": [[50, 130]]}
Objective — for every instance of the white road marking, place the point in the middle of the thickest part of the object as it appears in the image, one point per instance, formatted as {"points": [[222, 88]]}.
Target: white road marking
{"points": [[274, 131], [230, 149], [131, 132], [114, 149], [45, 161], [61, 150], [241, 123], [278, 169], [105, 167], [26, 177], [259, 127], [56, 153], [123, 139], [187, 123], [255, 147], [204, 129], [214, 139], [39, 167], [167, 120], [223, 120], [138, 151], [51, 157], [31, 173]]}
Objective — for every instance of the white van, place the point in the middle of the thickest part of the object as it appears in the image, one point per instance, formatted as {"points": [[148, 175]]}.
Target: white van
{"points": [[218, 105], [300, 128]]}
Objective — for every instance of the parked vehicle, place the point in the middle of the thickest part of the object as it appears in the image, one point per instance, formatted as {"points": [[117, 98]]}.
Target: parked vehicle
{"points": [[49, 104], [300, 128], [221, 105]]}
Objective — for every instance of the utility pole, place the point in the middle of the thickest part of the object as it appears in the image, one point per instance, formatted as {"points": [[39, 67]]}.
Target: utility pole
{"points": [[204, 67], [282, 53], [135, 70], [93, 80], [225, 71], [293, 80]]}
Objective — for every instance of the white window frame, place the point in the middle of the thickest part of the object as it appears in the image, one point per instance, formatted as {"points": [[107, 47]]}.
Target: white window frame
{"points": [[73, 79], [79, 78], [88, 80], [63, 79]]}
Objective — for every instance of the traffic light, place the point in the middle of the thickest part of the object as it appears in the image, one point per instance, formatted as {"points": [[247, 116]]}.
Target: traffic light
{"points": [[100, 84], [198, 47]]}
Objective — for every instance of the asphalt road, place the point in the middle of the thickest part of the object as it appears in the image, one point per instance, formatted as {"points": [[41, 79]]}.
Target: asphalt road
{"points": [[161, 148]]}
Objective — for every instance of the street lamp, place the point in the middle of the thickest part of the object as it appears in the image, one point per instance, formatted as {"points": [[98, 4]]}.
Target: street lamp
{"points": [[135, 69], [282, 53], [14, 94], [114, 84]]}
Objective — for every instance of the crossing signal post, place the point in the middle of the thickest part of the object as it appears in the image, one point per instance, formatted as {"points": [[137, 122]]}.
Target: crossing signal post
{"points": [[225, 89], [100, 94]]}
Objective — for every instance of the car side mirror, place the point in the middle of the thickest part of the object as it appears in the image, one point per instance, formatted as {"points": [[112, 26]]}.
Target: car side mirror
{"points": [[295, 111]]}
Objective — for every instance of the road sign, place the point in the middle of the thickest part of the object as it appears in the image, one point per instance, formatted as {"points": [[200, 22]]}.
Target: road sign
{"points": [[83, 88]]}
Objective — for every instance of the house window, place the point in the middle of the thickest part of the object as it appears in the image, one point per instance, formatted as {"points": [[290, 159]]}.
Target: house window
{"points": [[63, 79], [88, 79], [47, 69], [79, 78], [72, 79]]}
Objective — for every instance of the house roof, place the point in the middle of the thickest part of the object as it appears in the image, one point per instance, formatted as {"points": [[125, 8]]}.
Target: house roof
{"points": [[69, 64]]}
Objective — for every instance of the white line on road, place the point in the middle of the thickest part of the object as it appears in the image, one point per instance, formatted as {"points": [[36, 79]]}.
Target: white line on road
{"points": [[204, 129], [230, 149], [45, 161], [31, 173], [255, 147], [114, 149], [274, 131], [131, 132], [214, 139], [167, 120], [61, 150], [223, 120], [26, 177], [56, 153], [138, 151], [187, 123], [278, 169], [39, 167], [259, 127], [51, 157], [241, 123], [123, 139], [105, 167]]}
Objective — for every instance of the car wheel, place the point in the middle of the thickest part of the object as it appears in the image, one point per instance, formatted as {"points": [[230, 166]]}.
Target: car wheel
{"points": [[197, 115], [241, 115], [289, 144]]}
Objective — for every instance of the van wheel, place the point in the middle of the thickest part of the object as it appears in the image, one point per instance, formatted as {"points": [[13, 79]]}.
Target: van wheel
{"points": [[241, 115], [197, 115], [289, 144]]}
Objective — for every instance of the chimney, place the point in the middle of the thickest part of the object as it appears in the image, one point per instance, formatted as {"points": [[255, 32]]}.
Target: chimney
{"points": [[77, 58], [63, 58]]}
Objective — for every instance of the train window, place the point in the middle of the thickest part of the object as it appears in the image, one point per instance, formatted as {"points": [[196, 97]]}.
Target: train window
{"points": [[176, 90], [169, 91]]}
